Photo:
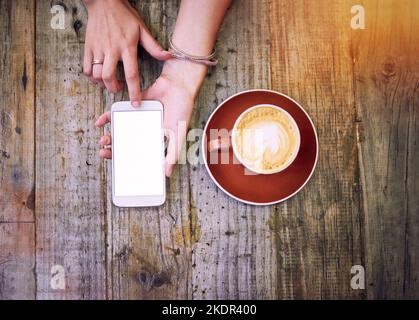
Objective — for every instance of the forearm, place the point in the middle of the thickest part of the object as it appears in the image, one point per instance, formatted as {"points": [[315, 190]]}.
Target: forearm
{"points": [[195, 33], [197, 25]]}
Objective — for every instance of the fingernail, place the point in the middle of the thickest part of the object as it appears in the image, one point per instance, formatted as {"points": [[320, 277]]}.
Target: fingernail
{"points": [[135, 104], [102, 140]]}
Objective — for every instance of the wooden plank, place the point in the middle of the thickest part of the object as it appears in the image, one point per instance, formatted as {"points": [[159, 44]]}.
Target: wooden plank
{"points": [[169, 252], [202, 244], [17, 200], [70, 196], [17, 111], [319, 232], [235, 257], [17, 261], [385, 57], [150, 249]]}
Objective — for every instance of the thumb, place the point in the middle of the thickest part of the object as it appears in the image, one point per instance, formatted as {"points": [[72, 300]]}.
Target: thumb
{"points": [[149, 93], [152, 46], [171, 154], [176, 151]]}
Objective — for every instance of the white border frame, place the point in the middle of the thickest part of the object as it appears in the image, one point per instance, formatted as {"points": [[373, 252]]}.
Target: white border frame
{"points": [[138, 201], [204, 148]]}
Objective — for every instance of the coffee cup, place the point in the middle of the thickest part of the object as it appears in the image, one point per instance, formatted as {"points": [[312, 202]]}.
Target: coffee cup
{"points": [[265, 139]]}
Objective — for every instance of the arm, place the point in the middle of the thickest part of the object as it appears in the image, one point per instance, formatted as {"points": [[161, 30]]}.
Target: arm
{"points": [[195, 32]]}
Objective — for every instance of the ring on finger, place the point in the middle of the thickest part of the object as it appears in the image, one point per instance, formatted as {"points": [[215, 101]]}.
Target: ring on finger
{"points": [[97, 61], [97, 65]]}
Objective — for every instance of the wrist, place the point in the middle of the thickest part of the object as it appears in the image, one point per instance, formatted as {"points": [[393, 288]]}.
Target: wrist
{"points": [[189, 75]]}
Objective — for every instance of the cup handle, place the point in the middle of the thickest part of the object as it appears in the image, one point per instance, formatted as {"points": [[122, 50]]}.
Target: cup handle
{"points": [[220, 143]]}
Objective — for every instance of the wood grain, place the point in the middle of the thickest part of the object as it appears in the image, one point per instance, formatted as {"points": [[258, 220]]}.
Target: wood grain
{"points": [[361, 206], [319, 232], [386, 70], [70, 199], [200, 233], [17, 111], [236, 255], [17, 180], [17, 261], [150, 249]]}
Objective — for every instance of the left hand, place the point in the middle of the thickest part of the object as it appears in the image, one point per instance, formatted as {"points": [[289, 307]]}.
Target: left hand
{"points": [[177, 88], [114, 30]]}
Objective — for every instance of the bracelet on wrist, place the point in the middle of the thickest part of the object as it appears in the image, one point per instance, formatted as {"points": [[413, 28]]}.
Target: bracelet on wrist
{"points": [[177, 53]]}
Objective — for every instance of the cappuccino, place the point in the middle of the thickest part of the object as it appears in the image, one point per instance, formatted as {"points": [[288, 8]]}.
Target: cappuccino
{"points": [[266, 139]]}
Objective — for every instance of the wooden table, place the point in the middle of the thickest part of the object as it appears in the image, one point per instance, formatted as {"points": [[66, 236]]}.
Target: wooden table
{"points": [[360, 208]]}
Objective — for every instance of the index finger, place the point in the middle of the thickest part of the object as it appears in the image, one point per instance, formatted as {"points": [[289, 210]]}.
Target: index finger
{"points": [[103, 119], [132, 76]]}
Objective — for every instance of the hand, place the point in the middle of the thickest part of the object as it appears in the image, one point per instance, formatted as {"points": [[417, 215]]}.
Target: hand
{"points": [[113, 32], [177, 88]]}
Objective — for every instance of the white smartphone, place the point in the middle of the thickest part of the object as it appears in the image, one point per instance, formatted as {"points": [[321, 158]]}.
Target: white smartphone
{"points": [[138, 178]]}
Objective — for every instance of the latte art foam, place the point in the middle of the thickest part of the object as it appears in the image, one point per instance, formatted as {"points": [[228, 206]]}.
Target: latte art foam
{"points": [[265, 139]]}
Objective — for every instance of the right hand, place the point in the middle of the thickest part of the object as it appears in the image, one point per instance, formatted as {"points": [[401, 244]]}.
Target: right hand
{"points": [[113, 32]]}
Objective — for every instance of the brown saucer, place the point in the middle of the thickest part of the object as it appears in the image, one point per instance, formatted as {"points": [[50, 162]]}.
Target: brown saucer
{"points": [[262, 189]]}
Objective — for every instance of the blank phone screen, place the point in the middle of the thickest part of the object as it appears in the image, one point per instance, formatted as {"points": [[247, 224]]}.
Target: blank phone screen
{"points": [[137, 152]]}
